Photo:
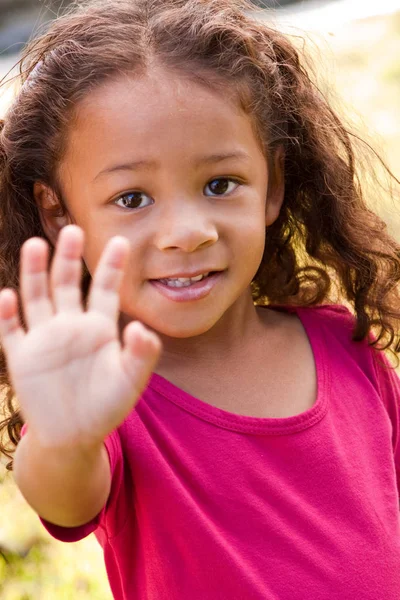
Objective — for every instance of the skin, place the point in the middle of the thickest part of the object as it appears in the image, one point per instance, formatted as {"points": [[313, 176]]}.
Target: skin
{"points": [[177, 126], [76, 373], [180, 225], [168, 133]]}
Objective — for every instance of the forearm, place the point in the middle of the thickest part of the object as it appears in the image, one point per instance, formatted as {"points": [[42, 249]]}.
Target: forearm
{"points": [[65, 487]]}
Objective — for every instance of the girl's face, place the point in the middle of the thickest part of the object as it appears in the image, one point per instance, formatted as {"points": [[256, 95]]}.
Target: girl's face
{"points": [[177, 170]]}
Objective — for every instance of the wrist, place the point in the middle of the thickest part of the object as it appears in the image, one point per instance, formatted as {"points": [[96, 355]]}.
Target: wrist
{"points": [[53, 443]]}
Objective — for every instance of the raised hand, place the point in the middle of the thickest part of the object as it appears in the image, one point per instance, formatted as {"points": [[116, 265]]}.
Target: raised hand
{"points": [[73, 378]]}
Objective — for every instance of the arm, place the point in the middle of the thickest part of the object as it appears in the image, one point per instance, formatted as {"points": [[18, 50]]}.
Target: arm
{"points": [[76, 381], [67, 487]]}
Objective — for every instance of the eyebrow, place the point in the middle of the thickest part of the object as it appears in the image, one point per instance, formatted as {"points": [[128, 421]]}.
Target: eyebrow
{"points": [[149, 164]]}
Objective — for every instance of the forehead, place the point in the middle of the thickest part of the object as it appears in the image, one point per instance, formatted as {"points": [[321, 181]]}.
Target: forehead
{"points": [[156, 110]]}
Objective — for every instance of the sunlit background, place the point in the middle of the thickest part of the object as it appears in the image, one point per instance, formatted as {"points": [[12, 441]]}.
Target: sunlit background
{"points": [[355, 46]]}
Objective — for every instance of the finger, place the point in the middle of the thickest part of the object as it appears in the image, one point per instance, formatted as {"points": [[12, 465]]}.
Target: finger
{"points": [[141, 351], [34, 282], [66, 270], [104, 292], [11, 332]]}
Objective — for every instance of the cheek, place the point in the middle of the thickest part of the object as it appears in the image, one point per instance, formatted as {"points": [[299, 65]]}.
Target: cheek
{"points": [[98, 231], [134, 276], [92, 252], [250, 250], [252, 230]]}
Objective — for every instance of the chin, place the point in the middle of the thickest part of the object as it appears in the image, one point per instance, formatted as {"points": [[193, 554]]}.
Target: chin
{"points": [[177, 327], [180, 322], [180, 331]]}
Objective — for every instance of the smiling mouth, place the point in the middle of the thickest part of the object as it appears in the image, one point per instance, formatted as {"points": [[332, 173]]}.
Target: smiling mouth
{"points": [[178, 282], [183, 281], [187, 290]]}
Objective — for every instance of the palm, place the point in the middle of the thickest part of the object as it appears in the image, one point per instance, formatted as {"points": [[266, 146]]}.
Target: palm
{"points": [[68, 370], [73, 378]]}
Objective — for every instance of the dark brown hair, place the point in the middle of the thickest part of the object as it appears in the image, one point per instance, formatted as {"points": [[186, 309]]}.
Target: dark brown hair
{"points": [[325, 238]]}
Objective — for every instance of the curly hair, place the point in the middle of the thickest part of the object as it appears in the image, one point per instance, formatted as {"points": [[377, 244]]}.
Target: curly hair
{"points": [[325, 238]]}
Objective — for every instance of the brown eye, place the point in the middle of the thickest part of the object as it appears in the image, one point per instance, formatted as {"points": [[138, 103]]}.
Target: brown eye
{"points": [[221, 186], [134, 200]]}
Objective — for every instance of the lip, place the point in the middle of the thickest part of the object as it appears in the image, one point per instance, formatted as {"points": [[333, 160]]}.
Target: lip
{"points": [[186, 274], [196, 291]]}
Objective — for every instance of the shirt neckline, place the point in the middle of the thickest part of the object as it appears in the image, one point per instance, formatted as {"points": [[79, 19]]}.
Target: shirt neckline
{"points": [[260, 425]]}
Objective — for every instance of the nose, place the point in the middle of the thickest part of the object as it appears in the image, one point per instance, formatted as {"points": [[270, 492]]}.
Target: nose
{"points": [[185, 227]]}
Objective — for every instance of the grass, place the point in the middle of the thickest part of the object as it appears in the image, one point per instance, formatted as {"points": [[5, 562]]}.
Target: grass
{"points": [[363, 63], [33, 566]]}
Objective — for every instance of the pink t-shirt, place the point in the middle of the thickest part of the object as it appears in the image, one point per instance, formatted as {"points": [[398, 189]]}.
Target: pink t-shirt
{"points": [[207, 505]]}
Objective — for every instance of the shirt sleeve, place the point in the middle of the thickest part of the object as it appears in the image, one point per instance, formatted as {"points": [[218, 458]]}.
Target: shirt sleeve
{"points": [[74, 534], [389, 386]]}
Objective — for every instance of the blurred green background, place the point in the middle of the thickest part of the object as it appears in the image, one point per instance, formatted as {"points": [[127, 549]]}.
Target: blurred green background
{"points": [[358, 61]]}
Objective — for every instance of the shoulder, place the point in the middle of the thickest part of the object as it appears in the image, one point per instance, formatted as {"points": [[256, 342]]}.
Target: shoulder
{"points": [[329, 313], [325, 319], [330, 328], [336, 323]]}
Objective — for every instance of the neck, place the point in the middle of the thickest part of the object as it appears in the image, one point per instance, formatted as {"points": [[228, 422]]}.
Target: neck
{"points": [[228, 340], [225, 341]]}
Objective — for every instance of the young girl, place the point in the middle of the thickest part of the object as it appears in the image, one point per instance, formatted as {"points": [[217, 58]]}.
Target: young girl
{"points": [[181, 150]]}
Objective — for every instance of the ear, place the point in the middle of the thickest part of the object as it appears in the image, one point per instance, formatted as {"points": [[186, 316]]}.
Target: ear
{"points": [[276, 188], [52, 214]]}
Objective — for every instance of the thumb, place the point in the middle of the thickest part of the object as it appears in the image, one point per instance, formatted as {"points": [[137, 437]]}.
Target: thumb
{"points": [[140, 353]]}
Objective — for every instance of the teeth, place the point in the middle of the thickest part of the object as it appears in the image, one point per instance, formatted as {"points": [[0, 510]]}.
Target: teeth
{"points": [[183, 281]]}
